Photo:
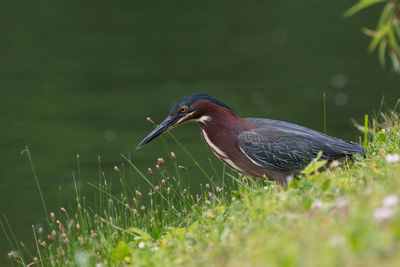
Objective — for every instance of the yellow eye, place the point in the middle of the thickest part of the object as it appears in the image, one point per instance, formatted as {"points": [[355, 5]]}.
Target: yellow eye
{"points": [[183, 109]]}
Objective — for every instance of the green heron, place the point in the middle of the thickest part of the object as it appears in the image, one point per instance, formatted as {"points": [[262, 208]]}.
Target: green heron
{"points": [[254, 146]]}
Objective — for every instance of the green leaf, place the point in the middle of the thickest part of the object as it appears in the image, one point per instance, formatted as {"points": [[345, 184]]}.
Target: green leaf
{"points": [[382, 55], [395, 62], [121, 251], [325, 185], [386, 14], [381, 32], [314, 165], [392, 40], [362, 4], [143, 234]]}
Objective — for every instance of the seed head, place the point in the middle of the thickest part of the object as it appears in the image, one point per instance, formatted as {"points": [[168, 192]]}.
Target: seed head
{"points": [[138, 194], [93, 234], [210, 195], [134, 201], [219, 189], [11, 255], [135, 213], [40, 231], [157, 188], [36, 259], [79, 206], [150, 171], [52, 237], [207, 186], [80, 239], [116, 169], [143, 208], [168, 191], [173, 156], [184, 192], [78, 227], [160, 161], [163, 182], [52, 216], [63, 210], [150, 120], [60, 226], [42, 243], [127, 206], [184, 213], [158, 167], [182, 167], [77, 156]]}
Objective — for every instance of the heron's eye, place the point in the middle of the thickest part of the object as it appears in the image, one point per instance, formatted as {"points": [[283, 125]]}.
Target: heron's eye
{"points": [[183, 109]]}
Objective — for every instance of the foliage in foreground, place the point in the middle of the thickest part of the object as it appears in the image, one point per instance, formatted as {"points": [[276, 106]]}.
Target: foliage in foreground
{"points": [[386, 36], [348, 215]]}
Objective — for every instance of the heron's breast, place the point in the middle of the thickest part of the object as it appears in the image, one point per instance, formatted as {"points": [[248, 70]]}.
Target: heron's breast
{"points": [[221, 152]]}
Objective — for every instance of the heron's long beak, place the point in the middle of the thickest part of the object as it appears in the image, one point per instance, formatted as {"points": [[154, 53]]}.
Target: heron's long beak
{"points": [[166, 125]]}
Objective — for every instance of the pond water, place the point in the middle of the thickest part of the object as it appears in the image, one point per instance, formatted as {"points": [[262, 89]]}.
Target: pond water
{"points": [[81, 78]]}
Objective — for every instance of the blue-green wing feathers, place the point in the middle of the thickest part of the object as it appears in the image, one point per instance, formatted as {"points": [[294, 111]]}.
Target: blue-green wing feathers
{"points": [[284, 146]]}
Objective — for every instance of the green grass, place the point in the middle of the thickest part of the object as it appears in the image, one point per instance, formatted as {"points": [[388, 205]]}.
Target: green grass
{"points": [[348, 215]]}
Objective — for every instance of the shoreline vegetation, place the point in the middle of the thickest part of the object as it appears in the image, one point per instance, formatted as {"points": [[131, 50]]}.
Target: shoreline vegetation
{"points": [[347, 215]]}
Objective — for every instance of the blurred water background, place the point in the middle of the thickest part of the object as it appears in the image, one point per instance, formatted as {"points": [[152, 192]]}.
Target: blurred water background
{"points": [[80, 77]]}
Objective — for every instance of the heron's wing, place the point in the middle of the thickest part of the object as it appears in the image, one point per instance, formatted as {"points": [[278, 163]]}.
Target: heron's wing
{"points": [[283, 148]]}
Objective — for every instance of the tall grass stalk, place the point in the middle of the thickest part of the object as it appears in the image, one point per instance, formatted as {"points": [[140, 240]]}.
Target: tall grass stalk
{"points": [[37, 246], [28, 153], [324, 113], [365, 131], [191, 157]]}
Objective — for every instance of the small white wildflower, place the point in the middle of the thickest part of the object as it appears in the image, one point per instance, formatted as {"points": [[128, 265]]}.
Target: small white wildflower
{"points": [[316, 204], [269, 187], [289, 178], [334, 164], [392, 158], [383, 214], [335, 240], [141, 245], [208, 202], [341, 203], [390, 201]]}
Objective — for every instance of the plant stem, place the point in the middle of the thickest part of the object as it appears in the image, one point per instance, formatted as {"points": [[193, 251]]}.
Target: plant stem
{"points": [[27, 151]]}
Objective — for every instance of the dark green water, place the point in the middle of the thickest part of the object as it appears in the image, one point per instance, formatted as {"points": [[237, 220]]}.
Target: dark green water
{"points": [[82, 78]]}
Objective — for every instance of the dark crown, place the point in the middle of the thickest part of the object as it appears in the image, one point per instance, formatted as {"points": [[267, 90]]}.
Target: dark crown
{"points": [[192, 98]]}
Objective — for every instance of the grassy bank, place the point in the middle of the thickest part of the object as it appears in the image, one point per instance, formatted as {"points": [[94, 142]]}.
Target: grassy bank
{"points": [[347, 215]]}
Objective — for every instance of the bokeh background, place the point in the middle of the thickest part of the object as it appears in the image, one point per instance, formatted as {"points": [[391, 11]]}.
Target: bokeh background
{"points": [[80, 77]]}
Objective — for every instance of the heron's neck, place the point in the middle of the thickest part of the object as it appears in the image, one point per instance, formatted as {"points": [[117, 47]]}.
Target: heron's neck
{"points": [[224, 120]]}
